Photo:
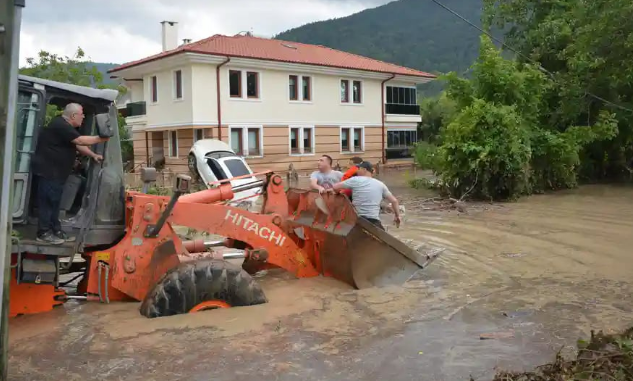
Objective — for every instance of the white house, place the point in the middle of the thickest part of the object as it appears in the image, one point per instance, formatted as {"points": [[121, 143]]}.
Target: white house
{"points": [[274, 102]]}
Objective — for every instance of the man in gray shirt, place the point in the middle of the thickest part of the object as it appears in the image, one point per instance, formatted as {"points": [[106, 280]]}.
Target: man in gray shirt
{"points": [[325, 177], [368, 193]]}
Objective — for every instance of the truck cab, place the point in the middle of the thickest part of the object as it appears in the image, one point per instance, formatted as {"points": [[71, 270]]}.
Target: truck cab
{"points": [[92, 206]]}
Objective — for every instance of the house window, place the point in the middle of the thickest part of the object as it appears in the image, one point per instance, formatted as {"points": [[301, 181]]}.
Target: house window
{"points": [[198, 134], [400, 143], [178, 84], [252, 85], [294, 140], [246, 141], [236, 141], [293, 87], [235, 83], [253, 142], [299, 88], [307, 88], [173, 143], [301, 140], [344, 91], [154, 89], [402, 101], [352, 139], [357, 91], [401, 139]]}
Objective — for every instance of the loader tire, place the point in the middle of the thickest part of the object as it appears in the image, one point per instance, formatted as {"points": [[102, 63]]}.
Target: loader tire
{"points": [[191, 283]]}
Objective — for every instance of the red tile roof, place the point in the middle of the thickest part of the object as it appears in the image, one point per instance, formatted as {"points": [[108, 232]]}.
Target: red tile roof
{"points": [[281, 51]]}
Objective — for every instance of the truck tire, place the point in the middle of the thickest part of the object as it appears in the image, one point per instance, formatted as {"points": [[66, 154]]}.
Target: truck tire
{"points": [[195, 284]]}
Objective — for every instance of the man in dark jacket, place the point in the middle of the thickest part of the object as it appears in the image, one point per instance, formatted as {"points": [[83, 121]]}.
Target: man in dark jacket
{"points": [[52, 164]]}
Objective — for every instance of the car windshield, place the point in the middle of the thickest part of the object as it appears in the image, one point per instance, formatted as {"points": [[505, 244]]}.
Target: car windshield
{"points": [[216, 168], [236, 167]]}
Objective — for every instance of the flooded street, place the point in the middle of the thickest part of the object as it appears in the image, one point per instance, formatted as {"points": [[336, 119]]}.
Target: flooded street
{"points": [[517, 282]]}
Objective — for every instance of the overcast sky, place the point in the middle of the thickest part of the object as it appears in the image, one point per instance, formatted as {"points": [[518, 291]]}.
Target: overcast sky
{"points": [[124, 30]]}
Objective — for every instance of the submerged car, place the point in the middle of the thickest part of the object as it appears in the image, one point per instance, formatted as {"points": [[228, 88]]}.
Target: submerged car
{"points": [[212, 160]]}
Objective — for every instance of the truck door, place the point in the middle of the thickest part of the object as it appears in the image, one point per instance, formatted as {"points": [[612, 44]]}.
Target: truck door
{"points": [[28, 118]]}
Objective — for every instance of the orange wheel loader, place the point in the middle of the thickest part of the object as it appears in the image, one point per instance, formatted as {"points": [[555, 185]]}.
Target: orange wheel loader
{"points": [[127, 240]]}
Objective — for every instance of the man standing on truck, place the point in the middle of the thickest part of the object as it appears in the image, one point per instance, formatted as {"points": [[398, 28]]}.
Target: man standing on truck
{"points": [[368, 193], [52, 164], [325, 177]]}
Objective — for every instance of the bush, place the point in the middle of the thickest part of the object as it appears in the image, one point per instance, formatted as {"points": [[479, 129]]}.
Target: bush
{"points": [[485, 150], [494, 147], [425, 155]]}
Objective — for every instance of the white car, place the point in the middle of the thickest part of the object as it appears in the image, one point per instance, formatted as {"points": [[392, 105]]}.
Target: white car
{"points": [[212, 160]]}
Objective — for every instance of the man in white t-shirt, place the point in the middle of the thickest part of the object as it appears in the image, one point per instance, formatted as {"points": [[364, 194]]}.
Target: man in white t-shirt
{"points": [[368, 194], [325, 177]]}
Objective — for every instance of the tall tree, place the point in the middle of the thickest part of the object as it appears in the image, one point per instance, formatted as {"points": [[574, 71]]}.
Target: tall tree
{"points": [[587, 46], [496, 147]]}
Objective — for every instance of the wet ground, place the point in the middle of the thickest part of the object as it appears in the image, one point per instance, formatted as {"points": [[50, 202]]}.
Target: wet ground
{"points": [[533, 276]]}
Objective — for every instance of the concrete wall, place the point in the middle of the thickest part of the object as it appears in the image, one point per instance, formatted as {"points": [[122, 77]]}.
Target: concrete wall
{"points": [[169, 111], [205, 106], [275, 107], [273, 111]]}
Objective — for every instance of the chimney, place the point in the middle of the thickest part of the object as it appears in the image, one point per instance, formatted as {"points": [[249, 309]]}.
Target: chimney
{"points": [[170, 35], [186, 41]]}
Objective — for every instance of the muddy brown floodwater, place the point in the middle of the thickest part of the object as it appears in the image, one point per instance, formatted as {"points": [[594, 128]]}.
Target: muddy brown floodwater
{"points": [[534, 275]]}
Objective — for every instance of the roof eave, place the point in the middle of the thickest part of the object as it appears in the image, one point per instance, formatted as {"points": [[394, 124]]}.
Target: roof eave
{"points": [[123, 69]]}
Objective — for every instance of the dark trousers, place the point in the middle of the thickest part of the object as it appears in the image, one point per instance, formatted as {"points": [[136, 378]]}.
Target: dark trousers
{"points": [[49, 196], [375, 222]]}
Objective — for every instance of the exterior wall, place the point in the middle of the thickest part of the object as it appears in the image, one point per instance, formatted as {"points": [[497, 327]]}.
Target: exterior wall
{"points": [[168, 111], [204, 90], [135, 88], [277, 155], [275, 107], [273, 111], [140, 147]]}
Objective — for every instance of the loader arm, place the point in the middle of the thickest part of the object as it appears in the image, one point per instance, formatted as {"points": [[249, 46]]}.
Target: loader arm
{"points": [[140, 259], [290, 232]]}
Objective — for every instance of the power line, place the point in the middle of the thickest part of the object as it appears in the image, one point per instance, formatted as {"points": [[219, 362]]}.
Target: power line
{"points": [[524, 56]]}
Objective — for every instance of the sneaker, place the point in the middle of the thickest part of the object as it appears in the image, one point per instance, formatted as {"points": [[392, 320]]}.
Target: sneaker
{"points": [[64, 236], [50, 239]]}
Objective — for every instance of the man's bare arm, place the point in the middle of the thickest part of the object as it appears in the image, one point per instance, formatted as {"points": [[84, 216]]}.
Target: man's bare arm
{"points": [[314, 185], [86, 140], [339, 186], [395, 204], [84, 150]]}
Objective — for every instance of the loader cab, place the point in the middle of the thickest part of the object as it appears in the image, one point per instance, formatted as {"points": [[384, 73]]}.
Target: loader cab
{"points": [[92, 206]]}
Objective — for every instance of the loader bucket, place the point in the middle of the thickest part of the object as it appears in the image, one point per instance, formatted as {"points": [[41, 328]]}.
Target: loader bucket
{"points": [[347, 247]]}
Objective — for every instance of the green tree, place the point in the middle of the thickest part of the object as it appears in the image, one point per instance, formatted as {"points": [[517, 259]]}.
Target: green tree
{"points": [[587, 46], [76, 70], [436, 112], [496, 146]]}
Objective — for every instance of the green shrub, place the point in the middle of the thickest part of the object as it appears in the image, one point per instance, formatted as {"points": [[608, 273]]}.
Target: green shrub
{"points": [[485, 150]]}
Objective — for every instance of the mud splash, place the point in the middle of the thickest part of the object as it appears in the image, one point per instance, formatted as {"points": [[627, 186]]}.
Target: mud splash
{"points": [[533, 275]]}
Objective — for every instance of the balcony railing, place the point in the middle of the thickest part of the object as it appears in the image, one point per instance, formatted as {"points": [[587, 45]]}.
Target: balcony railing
{"points": [[135, 109], [398, 109]]}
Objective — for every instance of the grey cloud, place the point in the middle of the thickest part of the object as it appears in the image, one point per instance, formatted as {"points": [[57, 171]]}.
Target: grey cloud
{"points": [[142, 17]]}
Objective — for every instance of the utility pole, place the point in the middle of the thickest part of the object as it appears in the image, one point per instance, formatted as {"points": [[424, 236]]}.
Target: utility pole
{"points": [[10, 20]]}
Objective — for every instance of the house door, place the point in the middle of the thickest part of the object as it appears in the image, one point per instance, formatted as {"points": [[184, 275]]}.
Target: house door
{"points": [[28, 118]]}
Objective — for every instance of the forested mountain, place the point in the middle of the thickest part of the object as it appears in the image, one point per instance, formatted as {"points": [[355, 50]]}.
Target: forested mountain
{"points": [[414, 33], [103, 69]]}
